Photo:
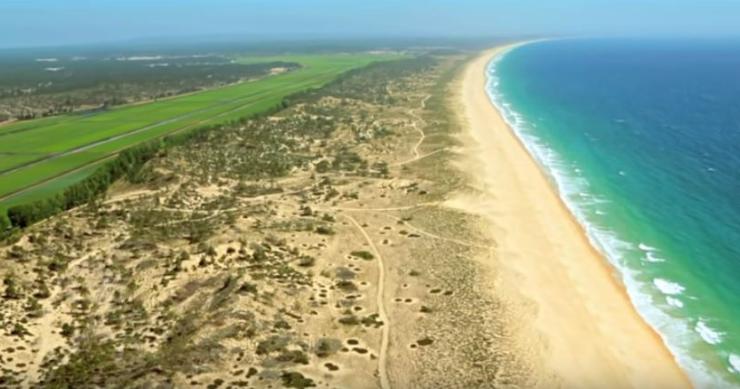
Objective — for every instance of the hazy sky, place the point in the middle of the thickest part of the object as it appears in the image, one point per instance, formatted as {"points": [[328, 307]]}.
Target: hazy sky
{"points": [[52, 22]]}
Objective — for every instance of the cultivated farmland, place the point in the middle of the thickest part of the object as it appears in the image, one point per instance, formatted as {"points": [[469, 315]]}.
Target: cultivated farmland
{"points": [[39, 157]]}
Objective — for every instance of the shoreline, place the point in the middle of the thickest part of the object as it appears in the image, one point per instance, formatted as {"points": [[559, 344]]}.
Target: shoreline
{"points": [[579, 309]]}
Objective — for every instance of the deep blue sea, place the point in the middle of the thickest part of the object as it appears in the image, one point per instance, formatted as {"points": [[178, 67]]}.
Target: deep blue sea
{"points": [[642, 140]]}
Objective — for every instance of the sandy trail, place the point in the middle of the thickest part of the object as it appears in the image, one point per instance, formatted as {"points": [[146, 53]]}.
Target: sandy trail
{"points": [[385, 329], [380, 211], [403, 208], [422, 136], [584, 325]]}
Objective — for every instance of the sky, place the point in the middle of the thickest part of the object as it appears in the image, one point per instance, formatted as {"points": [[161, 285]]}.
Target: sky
{"points": [[62, 22]]}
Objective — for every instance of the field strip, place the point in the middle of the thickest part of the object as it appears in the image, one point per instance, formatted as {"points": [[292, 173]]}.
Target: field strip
{"points": [[52, 153], [117, 107], [41, 183], [24, 125], [252, 99], [267, 87], [272, 92], [122, 135]]}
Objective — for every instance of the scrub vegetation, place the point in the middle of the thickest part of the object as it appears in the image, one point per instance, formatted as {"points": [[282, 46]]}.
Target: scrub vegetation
{"points": [[303, 247]]}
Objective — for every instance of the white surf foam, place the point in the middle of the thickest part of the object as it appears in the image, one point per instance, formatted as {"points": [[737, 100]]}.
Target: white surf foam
{"points": [[707, 333], [649, 251], [141, 58], [668, 287], [674, 302], [677, 334], [645, 247], [651, 257], [734, 361]]}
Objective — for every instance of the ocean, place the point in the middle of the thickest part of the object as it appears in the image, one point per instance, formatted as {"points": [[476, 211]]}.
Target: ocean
{"points": [[642, 140]]}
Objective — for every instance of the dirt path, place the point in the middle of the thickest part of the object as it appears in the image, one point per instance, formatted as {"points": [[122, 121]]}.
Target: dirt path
{"points": [[435, 236], [411, 226], [385, 330], [430, 204], [420, 157], [422, 136], [418, 119]]}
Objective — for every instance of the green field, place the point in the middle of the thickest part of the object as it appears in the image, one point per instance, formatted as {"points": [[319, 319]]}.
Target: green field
{"points": [[40, 157]]}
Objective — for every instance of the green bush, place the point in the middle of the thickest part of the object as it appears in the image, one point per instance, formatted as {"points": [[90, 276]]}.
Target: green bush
{"points": [[294, 379], [324, 230], [4, 221], [366, 255]]}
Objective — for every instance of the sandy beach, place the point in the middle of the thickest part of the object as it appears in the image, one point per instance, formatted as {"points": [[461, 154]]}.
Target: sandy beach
{"points": [[580, 321]]}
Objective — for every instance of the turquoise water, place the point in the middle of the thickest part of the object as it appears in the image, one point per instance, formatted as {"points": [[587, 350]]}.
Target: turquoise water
{"points": [[642, 140]]}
